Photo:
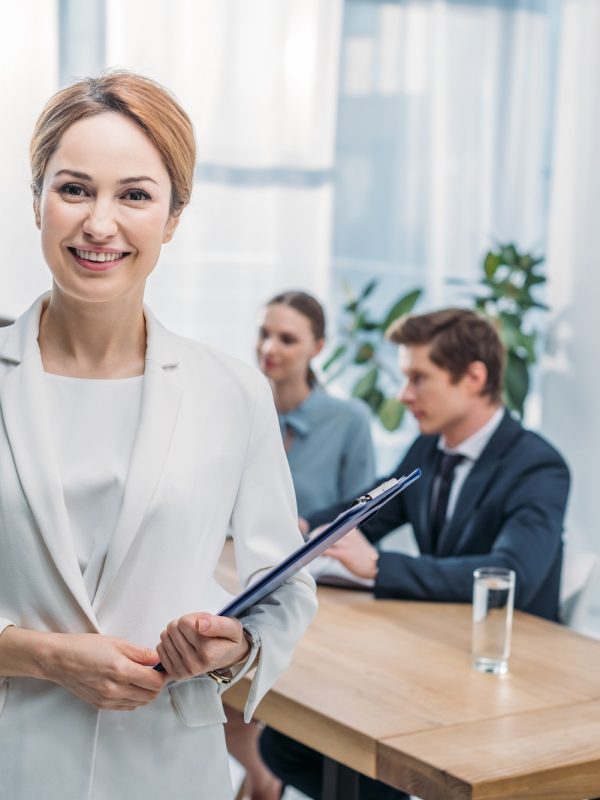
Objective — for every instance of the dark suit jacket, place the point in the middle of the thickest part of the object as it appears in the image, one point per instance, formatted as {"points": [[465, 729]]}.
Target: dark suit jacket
{"points": [[509, 514]]}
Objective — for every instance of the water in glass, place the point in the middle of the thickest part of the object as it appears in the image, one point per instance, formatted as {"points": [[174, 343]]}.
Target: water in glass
{"points": [[492, 620]]}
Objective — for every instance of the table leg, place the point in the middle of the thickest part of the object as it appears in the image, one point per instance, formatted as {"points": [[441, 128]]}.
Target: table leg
{"points": [[339, 782]]}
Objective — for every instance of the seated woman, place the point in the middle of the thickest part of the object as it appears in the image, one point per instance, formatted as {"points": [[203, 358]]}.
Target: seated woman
{"points": [[327, 440], [329, 449]]}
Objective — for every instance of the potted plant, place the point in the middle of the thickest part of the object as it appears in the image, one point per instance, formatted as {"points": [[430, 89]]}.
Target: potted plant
{"points": [[363, 346], [505, 294]]}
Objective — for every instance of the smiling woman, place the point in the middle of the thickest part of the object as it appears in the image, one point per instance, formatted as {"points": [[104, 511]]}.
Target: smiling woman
{"points": [[127, 453], [104, 208]]}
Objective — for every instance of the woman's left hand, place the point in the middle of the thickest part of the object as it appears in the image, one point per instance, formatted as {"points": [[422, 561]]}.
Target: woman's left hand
{"points": [[199, 643]]}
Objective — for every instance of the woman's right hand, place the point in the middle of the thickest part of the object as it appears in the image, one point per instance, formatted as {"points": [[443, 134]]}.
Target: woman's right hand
{"points": [[102, 670], [105, 671]]}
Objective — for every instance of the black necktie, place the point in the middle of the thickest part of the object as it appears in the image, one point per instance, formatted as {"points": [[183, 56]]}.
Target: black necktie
{"points": [[448, 464]]}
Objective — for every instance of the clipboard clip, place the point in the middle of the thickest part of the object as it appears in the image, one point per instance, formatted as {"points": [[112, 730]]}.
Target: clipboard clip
{"points": [[383, 487]]}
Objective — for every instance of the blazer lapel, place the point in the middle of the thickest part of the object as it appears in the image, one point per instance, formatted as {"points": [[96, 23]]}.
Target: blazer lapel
{"points": [[29, 430], [478, 480], [423, 534], [161, 399]]}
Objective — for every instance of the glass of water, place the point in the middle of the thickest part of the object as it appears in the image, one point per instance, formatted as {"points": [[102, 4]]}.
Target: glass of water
{"points": [[493, 600]]}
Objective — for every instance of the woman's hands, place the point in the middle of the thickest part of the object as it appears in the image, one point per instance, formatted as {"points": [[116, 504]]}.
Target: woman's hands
{"points": [[105, 671], [112, 673], [199, 643]]}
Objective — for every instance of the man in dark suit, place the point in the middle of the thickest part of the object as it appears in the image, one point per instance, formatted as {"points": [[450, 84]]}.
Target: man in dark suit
{"points": [[492, 494]]}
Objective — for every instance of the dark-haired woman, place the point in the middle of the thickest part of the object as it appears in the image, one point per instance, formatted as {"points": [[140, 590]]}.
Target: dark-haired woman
{"points": [[327, 440]]}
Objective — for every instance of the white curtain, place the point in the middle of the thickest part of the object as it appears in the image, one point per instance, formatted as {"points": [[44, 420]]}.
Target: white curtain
{"points": [[571, 380], [28, 76], [260, 82], [445, 119], [433, 139]]}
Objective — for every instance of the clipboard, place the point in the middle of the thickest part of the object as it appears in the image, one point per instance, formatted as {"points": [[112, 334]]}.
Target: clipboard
{"points": [[360, 511]]}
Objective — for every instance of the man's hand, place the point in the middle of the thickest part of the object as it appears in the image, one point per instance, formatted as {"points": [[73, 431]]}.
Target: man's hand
{"points": [[104, 671], [316, 531], [199, 643], [356, 553]]}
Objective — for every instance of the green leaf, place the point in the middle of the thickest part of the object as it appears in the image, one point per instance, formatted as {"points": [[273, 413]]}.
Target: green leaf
{"points": [[528, 262], [391, 412], [375, 399], [365, 353], [402, 306], [369, 325], [516, 383], [365, 385], [363, 323], [490, 264], [368, 289], [510, 336], [508, 255], [528, 345], [337, 354], [358, 321], [534, 280]]}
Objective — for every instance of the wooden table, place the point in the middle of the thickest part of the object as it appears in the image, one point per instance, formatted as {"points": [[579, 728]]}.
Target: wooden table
{"points": [[386, 688]]}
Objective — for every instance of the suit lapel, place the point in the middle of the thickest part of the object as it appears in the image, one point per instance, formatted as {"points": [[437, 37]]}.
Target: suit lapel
{"points": [[423, 534], [161, 399], [29, 430], [477, 482]]}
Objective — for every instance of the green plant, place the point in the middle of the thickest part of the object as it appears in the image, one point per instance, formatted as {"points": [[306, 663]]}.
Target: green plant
{"points": [[506, 297], [363, 346]]}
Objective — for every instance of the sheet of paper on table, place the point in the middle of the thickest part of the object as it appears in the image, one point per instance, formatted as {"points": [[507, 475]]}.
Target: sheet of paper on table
{"points": [[331, 572]]}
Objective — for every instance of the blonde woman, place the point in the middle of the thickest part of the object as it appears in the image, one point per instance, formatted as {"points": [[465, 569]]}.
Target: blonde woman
{"points": [[126, 452]]}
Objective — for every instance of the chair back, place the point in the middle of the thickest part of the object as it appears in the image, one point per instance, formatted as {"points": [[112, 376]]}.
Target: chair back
{"points": [[580, 592]]}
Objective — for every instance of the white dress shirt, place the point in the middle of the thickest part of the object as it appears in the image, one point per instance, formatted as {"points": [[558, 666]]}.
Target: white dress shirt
{"points": [[471, 448]]}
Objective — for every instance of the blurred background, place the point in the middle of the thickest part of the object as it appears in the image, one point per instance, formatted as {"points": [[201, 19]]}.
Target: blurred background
{"points": [[348, 141]]}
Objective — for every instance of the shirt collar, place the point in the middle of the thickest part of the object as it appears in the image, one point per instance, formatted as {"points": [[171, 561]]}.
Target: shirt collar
{"points": [[301, 418], [473, 446]]}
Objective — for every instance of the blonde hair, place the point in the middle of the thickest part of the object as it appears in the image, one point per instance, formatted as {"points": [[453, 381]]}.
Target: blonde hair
{"points": [[151, 107]]}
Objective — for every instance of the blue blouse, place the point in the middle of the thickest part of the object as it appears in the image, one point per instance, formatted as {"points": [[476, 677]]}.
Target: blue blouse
{"points": [[331, 456]]}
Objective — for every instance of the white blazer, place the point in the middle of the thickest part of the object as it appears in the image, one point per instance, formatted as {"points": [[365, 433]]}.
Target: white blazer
{"points": [[207, 458]]}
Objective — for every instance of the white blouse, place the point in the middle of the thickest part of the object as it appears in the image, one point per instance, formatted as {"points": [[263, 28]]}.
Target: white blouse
{"points": [[95, 423]]}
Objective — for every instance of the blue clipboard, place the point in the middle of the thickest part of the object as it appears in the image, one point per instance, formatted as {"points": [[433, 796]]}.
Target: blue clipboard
{"points": [[361, 510]]}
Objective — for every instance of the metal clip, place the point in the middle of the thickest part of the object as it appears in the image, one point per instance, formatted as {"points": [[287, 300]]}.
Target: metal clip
{"points": [[377, 491]]}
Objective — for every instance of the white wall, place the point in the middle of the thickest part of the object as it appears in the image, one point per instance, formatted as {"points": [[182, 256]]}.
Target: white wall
{"points": [[571, 383], [28, 76]]}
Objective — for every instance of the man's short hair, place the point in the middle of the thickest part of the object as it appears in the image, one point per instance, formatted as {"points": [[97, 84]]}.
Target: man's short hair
{"points": [[457, 337]]}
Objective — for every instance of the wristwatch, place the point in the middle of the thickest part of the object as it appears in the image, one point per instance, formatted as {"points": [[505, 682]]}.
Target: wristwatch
{"points": [[221, 676], [225, 675]]}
